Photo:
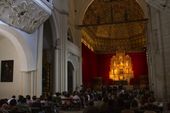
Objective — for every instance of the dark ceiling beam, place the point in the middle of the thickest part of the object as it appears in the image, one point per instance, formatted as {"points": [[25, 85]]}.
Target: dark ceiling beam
{"points": [[113, 23]]}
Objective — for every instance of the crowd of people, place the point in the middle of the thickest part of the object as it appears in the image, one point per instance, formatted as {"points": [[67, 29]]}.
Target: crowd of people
{"points": [[119, 99], [110, 99]]}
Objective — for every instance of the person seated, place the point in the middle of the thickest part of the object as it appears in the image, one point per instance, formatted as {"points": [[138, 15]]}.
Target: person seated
{"points": [[13, 97], [63, 97], [68, 101], [57, 99], [35, 105], [28, 100], [35, 102], [23, 106], [91, 108], [134, 104], [12, 106], [76, 98], [98, 103], [4, 107]]}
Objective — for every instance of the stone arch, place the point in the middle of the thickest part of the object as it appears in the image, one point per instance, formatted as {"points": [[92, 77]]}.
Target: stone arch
{"points": [[83, 10], [73, 59], [24, 52], [54, 26], [144, 7]]}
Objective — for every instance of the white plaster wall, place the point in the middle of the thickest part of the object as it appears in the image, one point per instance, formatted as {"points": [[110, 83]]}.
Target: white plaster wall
{"points": [[28, 42], [28, 49], [8, 52]]}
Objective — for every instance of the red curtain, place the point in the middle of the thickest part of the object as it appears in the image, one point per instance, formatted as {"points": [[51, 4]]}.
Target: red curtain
{"points": [[89, 66]]}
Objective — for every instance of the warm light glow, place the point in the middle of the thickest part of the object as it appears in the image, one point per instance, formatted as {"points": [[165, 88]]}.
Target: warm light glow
{"points": [[121, 67]]}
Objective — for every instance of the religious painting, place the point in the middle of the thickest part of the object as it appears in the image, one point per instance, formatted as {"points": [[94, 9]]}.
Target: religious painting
{"points": [[7, 70]]}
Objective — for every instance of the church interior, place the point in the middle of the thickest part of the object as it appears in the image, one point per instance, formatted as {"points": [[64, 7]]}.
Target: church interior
{"points": [[96, 56]]}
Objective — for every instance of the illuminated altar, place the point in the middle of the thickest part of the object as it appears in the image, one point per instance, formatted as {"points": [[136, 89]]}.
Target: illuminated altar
{"points": [[121, 67]]}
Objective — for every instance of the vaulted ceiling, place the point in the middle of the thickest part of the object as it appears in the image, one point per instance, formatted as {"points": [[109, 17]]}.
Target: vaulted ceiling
{"points": [[110, 25]]}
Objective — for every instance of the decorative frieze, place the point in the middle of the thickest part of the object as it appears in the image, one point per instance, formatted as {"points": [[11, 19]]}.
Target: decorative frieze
{"points": [[26, 15]]}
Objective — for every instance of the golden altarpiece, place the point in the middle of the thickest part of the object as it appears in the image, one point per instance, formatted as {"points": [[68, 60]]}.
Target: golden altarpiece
{"points": [[121, 67]]}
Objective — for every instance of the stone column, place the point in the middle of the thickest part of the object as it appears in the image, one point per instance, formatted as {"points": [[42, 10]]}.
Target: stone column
{"points": [[63, 59], [157, 69], [79, 72], [38, 73], [57, 70], [160, 56], [165, 34], [60, 52]]}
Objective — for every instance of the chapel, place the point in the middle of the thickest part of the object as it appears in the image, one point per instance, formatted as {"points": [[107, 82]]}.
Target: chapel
{"points": [[49, 46]]}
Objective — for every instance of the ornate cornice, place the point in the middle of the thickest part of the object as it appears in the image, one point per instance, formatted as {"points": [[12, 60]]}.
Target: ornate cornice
{"points": [[106, 45], [26, 15]]}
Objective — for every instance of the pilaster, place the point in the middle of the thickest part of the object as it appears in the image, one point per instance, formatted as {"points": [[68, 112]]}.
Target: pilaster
{"points": [[156, 71], [60, 52], [159, 54]]}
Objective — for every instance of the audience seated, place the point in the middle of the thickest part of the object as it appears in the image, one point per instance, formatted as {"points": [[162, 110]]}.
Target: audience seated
{"points": [[110, 99], [23, 106]]}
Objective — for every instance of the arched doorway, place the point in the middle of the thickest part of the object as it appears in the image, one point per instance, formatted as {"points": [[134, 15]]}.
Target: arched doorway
{"points": [[48, 60], [70, 75]]}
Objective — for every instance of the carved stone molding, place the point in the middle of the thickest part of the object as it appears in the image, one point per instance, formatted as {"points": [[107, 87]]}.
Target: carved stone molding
{"points": [[163, 5], [73, 58], [26, 15]]}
